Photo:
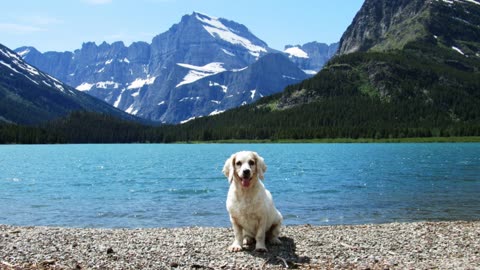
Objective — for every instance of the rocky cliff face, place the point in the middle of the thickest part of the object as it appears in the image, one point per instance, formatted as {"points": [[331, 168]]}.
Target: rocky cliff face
{"points": [[312, 56], [150, 80], [380, 21], [383, 25]]}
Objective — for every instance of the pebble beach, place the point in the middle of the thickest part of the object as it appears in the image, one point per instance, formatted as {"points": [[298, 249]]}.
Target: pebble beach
{"points": [[425, 245]]}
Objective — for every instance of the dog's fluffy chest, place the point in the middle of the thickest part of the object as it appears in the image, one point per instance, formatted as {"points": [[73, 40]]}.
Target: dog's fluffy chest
{"points": [[245, 207]]}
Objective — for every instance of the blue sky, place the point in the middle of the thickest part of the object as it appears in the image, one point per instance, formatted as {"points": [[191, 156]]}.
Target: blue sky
{"points": [[63, 25]]}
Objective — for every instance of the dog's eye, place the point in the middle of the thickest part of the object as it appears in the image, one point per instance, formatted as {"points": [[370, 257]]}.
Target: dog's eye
{"points": [[239, 163], [251, 163]]}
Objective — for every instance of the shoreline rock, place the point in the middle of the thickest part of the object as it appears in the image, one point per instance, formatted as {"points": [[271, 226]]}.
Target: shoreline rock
{"points": [[424, 245]]}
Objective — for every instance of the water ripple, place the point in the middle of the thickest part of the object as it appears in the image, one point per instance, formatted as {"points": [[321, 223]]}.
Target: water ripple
{"points": [[154, 186]]}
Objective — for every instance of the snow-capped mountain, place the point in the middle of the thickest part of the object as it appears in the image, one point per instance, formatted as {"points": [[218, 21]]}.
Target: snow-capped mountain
{"points": [[30, 96], [312, 56], [151, 80]]}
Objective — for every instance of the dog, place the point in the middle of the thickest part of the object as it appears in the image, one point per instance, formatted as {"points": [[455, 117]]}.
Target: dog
{"points": [[252, 212]]}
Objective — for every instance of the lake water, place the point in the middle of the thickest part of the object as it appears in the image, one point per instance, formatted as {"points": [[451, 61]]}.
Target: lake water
{"points": [[156, 185]]}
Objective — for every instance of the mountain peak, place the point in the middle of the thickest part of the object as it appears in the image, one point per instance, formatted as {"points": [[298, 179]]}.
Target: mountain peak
{"points": [[383, 25], [22, 51], [203, 15], [231, 32]]}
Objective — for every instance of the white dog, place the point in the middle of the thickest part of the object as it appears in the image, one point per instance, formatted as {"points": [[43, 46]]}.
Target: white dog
{"points": [[250, 205]]}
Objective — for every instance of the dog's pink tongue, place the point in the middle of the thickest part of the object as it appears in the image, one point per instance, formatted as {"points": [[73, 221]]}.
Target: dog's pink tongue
{"points": [[245, 182]]}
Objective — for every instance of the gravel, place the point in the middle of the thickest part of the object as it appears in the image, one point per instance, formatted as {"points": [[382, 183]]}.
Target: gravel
{"points": [[426, 245]]}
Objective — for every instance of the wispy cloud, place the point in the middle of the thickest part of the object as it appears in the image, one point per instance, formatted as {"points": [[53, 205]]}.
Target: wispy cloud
{"points": [[15, 28], [98, 2]]}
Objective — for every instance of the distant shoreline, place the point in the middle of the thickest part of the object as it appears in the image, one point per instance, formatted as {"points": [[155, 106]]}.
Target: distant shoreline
{"points": [[444, 245], [470, 139]]}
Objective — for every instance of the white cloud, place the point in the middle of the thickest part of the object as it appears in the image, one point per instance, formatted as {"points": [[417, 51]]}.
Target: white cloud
{"points": [[98, 2]]}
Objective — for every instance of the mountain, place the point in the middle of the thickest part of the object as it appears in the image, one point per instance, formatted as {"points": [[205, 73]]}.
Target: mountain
{"points": [[312, 56], [155, 80], [29, 96], [419, 55], [405, 68], [388, 25]]}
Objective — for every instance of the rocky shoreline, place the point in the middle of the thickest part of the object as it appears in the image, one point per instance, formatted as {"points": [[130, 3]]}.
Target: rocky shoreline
{"points": [[425, 245]]}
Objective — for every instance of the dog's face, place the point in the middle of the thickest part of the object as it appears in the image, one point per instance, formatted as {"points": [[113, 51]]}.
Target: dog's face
{"points": [[244, 167]]}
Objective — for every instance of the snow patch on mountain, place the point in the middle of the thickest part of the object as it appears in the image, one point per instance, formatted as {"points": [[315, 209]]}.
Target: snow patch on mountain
{"points": [[309, 71], [218, 30], [224, 87], [10, 67], [188, 120], [84, 86], [139, 82], [296, 52], [131, 110], [196, 72], [59, 86], [457, 50], [135, 94], [254, 91], [450, 2], [189, 99], [216, 111], [119, 98], [107, 84], [24, 52], [228, 52]]}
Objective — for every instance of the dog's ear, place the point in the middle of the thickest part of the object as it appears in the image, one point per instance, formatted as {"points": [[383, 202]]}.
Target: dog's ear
{"points": [[229, 169], [261, 167]]}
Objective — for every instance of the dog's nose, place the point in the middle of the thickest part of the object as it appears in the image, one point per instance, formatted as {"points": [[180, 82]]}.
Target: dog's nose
{"points": [[246, 172]]}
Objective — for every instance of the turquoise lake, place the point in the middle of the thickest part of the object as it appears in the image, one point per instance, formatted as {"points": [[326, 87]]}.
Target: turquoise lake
{"points": [[158, 185]]}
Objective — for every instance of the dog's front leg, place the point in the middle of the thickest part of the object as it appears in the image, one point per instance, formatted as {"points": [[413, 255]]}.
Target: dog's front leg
{"points": [[260, 237], [237, 243]]}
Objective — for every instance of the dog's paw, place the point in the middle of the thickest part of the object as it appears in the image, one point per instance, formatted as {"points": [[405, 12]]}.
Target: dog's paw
{"points": [[261, 249], [275, 241], [235, 248]]}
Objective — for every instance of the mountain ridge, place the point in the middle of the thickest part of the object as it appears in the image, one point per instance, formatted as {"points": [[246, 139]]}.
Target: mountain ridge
{"points": [[426, 87], [138, 78]]}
